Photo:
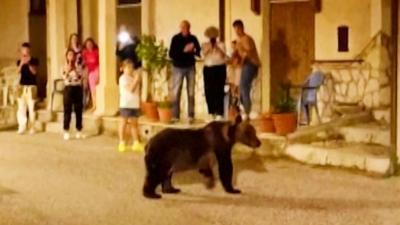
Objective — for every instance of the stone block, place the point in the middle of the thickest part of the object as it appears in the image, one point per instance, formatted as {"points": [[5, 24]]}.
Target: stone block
{"points": [[382, 115], [375, 99], [372, 85], [352, 92], [367, 134], [361, 87], [336, 76], [346, 75], [381, 166], [368, 100], [343, 89], [45, 116], [385, 96]]}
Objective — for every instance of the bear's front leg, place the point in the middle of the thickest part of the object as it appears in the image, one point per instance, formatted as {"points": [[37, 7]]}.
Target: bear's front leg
{"points": [[225, 169]]}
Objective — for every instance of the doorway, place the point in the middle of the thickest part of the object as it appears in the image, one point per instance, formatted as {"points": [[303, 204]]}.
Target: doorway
{"points": [[38, 41], [292, 43]]}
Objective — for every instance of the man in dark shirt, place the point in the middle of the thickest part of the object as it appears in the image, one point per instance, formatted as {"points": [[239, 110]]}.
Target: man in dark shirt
{"points": [[184, 48], [27, 67]]}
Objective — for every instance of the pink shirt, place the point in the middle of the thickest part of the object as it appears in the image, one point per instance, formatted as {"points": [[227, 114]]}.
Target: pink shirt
{"points": [[91, 59]]}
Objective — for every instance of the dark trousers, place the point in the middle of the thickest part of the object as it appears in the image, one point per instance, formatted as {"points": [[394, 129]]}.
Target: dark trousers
{"points": [[73, 100], [214, 82]]}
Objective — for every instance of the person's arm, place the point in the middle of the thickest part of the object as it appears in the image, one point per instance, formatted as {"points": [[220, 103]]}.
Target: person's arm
{"points": [[135, 84], [19, 64], [173, 48], [33, 65], [206, 49]]}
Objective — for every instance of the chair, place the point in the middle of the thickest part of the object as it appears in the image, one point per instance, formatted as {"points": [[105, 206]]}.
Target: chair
{"points": [[58, 88], [308, 96]]}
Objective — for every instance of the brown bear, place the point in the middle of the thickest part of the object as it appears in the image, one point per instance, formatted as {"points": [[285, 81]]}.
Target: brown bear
{"points": [[174, 150]]}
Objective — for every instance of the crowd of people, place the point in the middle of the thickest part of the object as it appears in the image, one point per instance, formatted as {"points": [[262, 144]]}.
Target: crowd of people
{"points": [[222, 72]]}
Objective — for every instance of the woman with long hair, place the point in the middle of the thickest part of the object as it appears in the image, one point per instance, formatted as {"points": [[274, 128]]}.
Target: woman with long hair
{"points": [[73, 93], [91, 60]]}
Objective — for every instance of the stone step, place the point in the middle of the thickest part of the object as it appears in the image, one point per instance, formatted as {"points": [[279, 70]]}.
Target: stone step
{"points": [[91, 125], [373, 159], [45, 116], [8, 117], [328, 130], [369, 133]]}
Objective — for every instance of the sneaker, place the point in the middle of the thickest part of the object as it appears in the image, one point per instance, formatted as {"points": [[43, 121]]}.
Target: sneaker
{"points": [[66, 136], [79, 135], [121, 147], [210, 118], [219, 118], [138, 147], [21, 131]]}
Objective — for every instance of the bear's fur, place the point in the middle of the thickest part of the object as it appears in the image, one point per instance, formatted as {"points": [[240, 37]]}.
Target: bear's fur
{"points": [[174, 150]]}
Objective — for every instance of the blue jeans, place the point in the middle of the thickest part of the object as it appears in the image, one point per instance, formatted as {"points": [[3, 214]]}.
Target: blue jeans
{"points": [[178, 75], [249, 72]]}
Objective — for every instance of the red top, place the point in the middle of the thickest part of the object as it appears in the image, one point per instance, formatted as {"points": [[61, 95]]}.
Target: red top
{"points": [[91, 59]]}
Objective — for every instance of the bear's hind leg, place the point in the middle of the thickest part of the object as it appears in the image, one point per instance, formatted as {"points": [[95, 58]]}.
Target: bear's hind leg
{"points": [[209, 175], [167, 186]]}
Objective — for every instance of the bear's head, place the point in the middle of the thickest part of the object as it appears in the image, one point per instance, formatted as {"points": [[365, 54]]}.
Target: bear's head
{"points": [[245, 133]]}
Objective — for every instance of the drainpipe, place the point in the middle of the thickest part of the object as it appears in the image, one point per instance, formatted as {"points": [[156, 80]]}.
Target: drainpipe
{"points": [[394, 111]]}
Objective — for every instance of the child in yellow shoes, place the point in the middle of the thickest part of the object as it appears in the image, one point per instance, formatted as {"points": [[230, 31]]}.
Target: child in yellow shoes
{"points": [[129, 90]]}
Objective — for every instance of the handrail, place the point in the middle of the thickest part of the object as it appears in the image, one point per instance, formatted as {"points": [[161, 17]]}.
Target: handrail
{"points": [[380, 35]]}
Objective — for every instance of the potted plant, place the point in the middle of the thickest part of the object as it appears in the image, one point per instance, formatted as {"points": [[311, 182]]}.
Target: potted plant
{"points": [[165, 111], [285, 116], [153, 55], [267, 123]]}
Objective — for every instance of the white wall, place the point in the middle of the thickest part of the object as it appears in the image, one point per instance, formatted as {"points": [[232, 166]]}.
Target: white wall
{"points": [[353, 13], [169, 14], [13, 28]]}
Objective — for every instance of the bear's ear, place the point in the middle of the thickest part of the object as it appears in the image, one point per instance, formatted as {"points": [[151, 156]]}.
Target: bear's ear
{"points": [[238, 119]]}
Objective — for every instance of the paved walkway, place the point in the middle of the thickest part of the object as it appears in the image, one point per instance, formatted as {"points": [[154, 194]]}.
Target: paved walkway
{"points": [[44, 180]]}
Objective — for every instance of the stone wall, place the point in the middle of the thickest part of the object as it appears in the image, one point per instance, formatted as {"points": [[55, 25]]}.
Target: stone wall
{"points": [[364, 84]]}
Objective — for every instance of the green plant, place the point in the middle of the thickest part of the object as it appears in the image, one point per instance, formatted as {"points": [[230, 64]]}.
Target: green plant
{"points": [[285, 103], [166, 104], [153, 54]]}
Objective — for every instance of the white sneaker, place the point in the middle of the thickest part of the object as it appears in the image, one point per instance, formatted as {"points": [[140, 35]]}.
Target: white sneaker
{"points": [[67, 136], [210, 118], [79, 135], [21, 131], [219, 118]]}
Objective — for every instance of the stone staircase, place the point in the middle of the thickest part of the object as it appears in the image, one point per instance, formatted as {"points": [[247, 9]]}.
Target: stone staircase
{"points": [[353, 141]]}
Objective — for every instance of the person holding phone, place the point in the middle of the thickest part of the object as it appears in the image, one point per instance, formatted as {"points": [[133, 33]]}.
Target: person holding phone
{"points": [[183, 51], [214, 71], [27, 89]]}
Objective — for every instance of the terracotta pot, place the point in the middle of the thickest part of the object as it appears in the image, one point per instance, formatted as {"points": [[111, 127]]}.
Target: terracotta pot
{"points": [[150, 110], [285, 123], [267, 125], [165, 115]]}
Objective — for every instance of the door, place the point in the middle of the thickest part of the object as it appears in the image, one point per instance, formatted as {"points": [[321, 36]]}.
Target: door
{"points": [[292, 43], [37, 39]]}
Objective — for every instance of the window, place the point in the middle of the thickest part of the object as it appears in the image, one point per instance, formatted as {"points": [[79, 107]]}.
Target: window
{"points": [[343, 38], [129, 2]]}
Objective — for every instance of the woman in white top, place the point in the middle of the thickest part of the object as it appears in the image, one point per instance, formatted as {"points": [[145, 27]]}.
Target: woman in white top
{"points": [[214, 54]]}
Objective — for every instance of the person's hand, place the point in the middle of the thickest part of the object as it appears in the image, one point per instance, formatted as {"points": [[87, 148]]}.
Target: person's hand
{"points": [[189, 48], [24, 60]]}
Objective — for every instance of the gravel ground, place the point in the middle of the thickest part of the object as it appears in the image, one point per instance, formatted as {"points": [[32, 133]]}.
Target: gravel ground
{"points": [[44, 180]]}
